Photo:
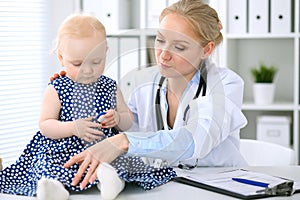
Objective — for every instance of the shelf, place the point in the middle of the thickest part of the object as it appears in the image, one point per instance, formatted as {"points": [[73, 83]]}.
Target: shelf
{"points": [[262, 36], [277, 106], [244, 51], [133, 32]]}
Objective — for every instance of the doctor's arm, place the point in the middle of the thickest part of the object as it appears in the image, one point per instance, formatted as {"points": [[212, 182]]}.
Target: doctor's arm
{"points": [[105, 151], [210, 120]]}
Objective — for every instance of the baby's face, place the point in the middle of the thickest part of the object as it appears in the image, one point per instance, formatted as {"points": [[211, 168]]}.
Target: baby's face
{"points": [[84, 58]]}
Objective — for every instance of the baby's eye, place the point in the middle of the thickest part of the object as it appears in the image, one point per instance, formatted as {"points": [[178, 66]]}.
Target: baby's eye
{"points": [[77, 64]]}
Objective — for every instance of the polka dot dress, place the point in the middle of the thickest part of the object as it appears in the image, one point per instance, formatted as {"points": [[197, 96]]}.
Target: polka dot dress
{"points": [[45, 157]]}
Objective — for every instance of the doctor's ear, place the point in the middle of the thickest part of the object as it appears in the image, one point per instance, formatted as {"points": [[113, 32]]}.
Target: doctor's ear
{"points": [[107, 49], [208, 49]]}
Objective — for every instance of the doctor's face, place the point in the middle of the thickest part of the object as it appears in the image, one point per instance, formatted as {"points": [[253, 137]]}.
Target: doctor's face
{"points": [[176, 48], [83, 58]]}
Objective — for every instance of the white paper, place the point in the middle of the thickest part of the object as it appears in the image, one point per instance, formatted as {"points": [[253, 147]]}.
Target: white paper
{"points": [[223, 180], [296, 186]]}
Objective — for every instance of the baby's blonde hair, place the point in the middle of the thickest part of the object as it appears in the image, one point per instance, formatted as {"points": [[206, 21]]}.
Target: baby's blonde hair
{"points": [[79, 26], [203, 19]]}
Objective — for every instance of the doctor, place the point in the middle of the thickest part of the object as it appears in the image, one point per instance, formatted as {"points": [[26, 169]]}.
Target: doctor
{"points": [[189, 113]]}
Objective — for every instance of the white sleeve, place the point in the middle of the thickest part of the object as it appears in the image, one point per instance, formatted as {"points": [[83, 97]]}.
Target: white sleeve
{"points": [[218, 115]]}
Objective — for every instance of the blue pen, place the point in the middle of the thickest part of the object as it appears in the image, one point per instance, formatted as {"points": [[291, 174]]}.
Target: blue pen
{"points": [[251, 182]]}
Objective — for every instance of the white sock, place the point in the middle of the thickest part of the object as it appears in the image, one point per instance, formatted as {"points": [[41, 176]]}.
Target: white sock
{"points": [[51, 189], [110, 184]]}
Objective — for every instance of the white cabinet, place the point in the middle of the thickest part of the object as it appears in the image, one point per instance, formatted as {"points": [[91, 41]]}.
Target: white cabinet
{"points": [[123, 55], [114, 15], [258, 14], [281, 49], [280, 13], [237, 16]]}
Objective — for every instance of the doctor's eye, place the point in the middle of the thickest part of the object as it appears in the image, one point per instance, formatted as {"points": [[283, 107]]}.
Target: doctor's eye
{"points": [[158, 40], [97, 62], [179, 48]]}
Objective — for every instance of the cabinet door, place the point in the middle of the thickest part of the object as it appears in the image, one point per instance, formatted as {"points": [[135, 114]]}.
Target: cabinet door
{"points": [[123, 56], [112, 63], [153, 11], [106, 12], [237, 16], [129, 55], [113, 15], [258, 16], [280, 16]]}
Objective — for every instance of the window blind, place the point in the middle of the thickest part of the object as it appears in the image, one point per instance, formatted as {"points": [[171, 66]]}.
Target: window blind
{"points": [[24, 38]]}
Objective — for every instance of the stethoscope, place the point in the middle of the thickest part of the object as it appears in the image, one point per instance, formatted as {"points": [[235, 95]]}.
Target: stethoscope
{"points": [[159, 120]]}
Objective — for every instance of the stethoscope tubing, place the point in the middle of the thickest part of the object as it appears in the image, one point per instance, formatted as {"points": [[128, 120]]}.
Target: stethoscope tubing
{"points": [[159, 120]]}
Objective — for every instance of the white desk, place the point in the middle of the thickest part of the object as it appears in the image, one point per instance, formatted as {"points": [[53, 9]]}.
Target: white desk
{"points": [[178, 191]]}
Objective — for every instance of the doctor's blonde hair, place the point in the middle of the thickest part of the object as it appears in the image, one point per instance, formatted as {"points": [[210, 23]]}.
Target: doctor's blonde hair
{"points": [[203, 19]]}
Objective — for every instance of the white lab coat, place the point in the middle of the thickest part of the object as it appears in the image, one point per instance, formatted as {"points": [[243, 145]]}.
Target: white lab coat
{"points": [[213, 122]]}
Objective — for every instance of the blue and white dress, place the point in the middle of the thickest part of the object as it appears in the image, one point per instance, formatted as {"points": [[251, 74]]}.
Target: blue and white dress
{"points": [[45, 157]]}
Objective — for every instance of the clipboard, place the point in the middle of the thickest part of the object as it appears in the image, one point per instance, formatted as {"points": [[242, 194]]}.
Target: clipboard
{"points": [[222, 183]]}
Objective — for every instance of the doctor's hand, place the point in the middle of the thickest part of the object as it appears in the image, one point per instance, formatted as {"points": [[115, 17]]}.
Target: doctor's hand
{"points": [[105, 151], [57, 75], [87, 130]]}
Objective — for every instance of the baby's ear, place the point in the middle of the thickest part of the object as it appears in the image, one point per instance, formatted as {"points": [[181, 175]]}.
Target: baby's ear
{"points": [[1, 164], [60, 57]]}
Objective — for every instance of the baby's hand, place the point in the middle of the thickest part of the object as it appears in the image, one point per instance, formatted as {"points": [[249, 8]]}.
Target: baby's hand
{"points": [[56, 75], [87, 129], [111, 119]]}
